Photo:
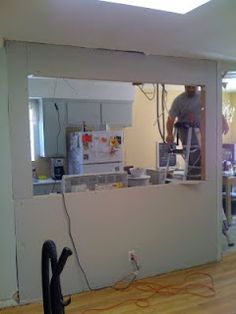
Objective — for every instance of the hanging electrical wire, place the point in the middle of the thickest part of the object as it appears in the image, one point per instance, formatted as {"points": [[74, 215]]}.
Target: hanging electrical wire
{"points": [[153, 93], [57, 139], [161, 118], [158, 114], [59, 128], [163, 107]]}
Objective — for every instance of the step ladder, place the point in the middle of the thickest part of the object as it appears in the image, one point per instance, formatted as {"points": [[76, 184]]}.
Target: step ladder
{"points": [[186, 150]]}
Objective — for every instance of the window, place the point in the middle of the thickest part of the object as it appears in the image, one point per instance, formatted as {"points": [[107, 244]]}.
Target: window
{"points": [[35, 125]]}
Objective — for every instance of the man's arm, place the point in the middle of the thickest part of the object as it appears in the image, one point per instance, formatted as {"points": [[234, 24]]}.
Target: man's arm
{"points": [[169, 127]]}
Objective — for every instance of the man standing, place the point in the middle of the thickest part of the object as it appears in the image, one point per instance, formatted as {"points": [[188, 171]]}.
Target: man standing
{"points": [[186, 110]]}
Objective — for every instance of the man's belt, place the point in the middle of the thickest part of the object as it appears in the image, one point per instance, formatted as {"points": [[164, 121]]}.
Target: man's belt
{"points": [[186, 125]]}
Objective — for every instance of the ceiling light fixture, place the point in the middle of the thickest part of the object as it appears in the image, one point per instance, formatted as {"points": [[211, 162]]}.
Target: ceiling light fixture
{"points": [[181, 7]]}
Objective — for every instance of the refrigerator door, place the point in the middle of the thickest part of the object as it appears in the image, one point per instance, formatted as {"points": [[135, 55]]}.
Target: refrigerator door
{"points": [[101, 147], [96, 150]]}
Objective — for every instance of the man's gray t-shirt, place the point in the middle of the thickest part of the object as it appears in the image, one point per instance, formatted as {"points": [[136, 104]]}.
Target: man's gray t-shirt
{"points": [[186, 109]]}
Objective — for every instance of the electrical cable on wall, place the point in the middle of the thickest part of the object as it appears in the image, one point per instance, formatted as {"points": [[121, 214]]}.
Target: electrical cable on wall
{"points": [[57, 139], [73, 243], [58, 119], [59, 128], [121, 284]]}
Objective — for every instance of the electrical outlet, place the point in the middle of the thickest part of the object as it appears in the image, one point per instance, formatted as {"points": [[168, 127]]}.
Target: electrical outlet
{"points": [[131, 255]]}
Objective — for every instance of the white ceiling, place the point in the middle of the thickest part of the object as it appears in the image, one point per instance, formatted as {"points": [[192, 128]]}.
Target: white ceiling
{"points": [[206, 32]]}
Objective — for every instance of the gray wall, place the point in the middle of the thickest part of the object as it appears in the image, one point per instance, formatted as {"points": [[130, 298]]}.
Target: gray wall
{"points": [[8, 284], [180, 222]]}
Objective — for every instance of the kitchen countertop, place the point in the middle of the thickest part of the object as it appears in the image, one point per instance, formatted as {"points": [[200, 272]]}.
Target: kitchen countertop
{"points": [[46, 181]]}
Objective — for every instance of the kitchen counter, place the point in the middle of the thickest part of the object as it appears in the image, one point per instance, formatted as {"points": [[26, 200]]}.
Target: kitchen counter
{"points": [[46, 186], [46, 181]]}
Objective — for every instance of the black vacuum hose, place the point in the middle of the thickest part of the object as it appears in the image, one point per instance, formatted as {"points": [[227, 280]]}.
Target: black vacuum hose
{"points": [[52, 297]]}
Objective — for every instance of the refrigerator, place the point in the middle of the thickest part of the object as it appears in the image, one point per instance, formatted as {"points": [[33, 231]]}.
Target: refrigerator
{"points": [[95, 152]]}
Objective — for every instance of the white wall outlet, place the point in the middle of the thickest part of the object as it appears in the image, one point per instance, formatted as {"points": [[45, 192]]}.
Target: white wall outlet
{"points": [[131, 254]]}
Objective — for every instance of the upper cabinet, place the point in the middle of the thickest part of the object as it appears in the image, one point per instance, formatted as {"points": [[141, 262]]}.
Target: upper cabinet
{"points": [[83, 111], [114, 114], [117, 114]]}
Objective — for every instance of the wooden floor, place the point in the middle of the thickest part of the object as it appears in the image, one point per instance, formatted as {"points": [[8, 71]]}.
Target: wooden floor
{"points": [[224, 300]]}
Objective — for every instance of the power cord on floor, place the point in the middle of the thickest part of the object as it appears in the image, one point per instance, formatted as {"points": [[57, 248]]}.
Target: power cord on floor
{"points": [[153, 289]]}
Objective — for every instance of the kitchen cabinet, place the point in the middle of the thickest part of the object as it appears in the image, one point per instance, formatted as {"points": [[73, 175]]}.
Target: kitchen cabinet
{"points": [[117, 114], [113, 113], [84, 111]]}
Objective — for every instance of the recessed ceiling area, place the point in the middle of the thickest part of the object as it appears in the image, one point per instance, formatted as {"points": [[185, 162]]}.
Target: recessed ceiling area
{"points": [[180, 7], [206, 32]]}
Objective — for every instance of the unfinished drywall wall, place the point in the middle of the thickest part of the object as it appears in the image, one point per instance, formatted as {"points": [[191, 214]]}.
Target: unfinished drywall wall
{"points": [[57, 61], [19, 122], [8, 282], [107, 224], [110, 219]]}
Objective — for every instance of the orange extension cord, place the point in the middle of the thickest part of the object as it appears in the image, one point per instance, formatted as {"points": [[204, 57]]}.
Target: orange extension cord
{"points": [[164, 290]]}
